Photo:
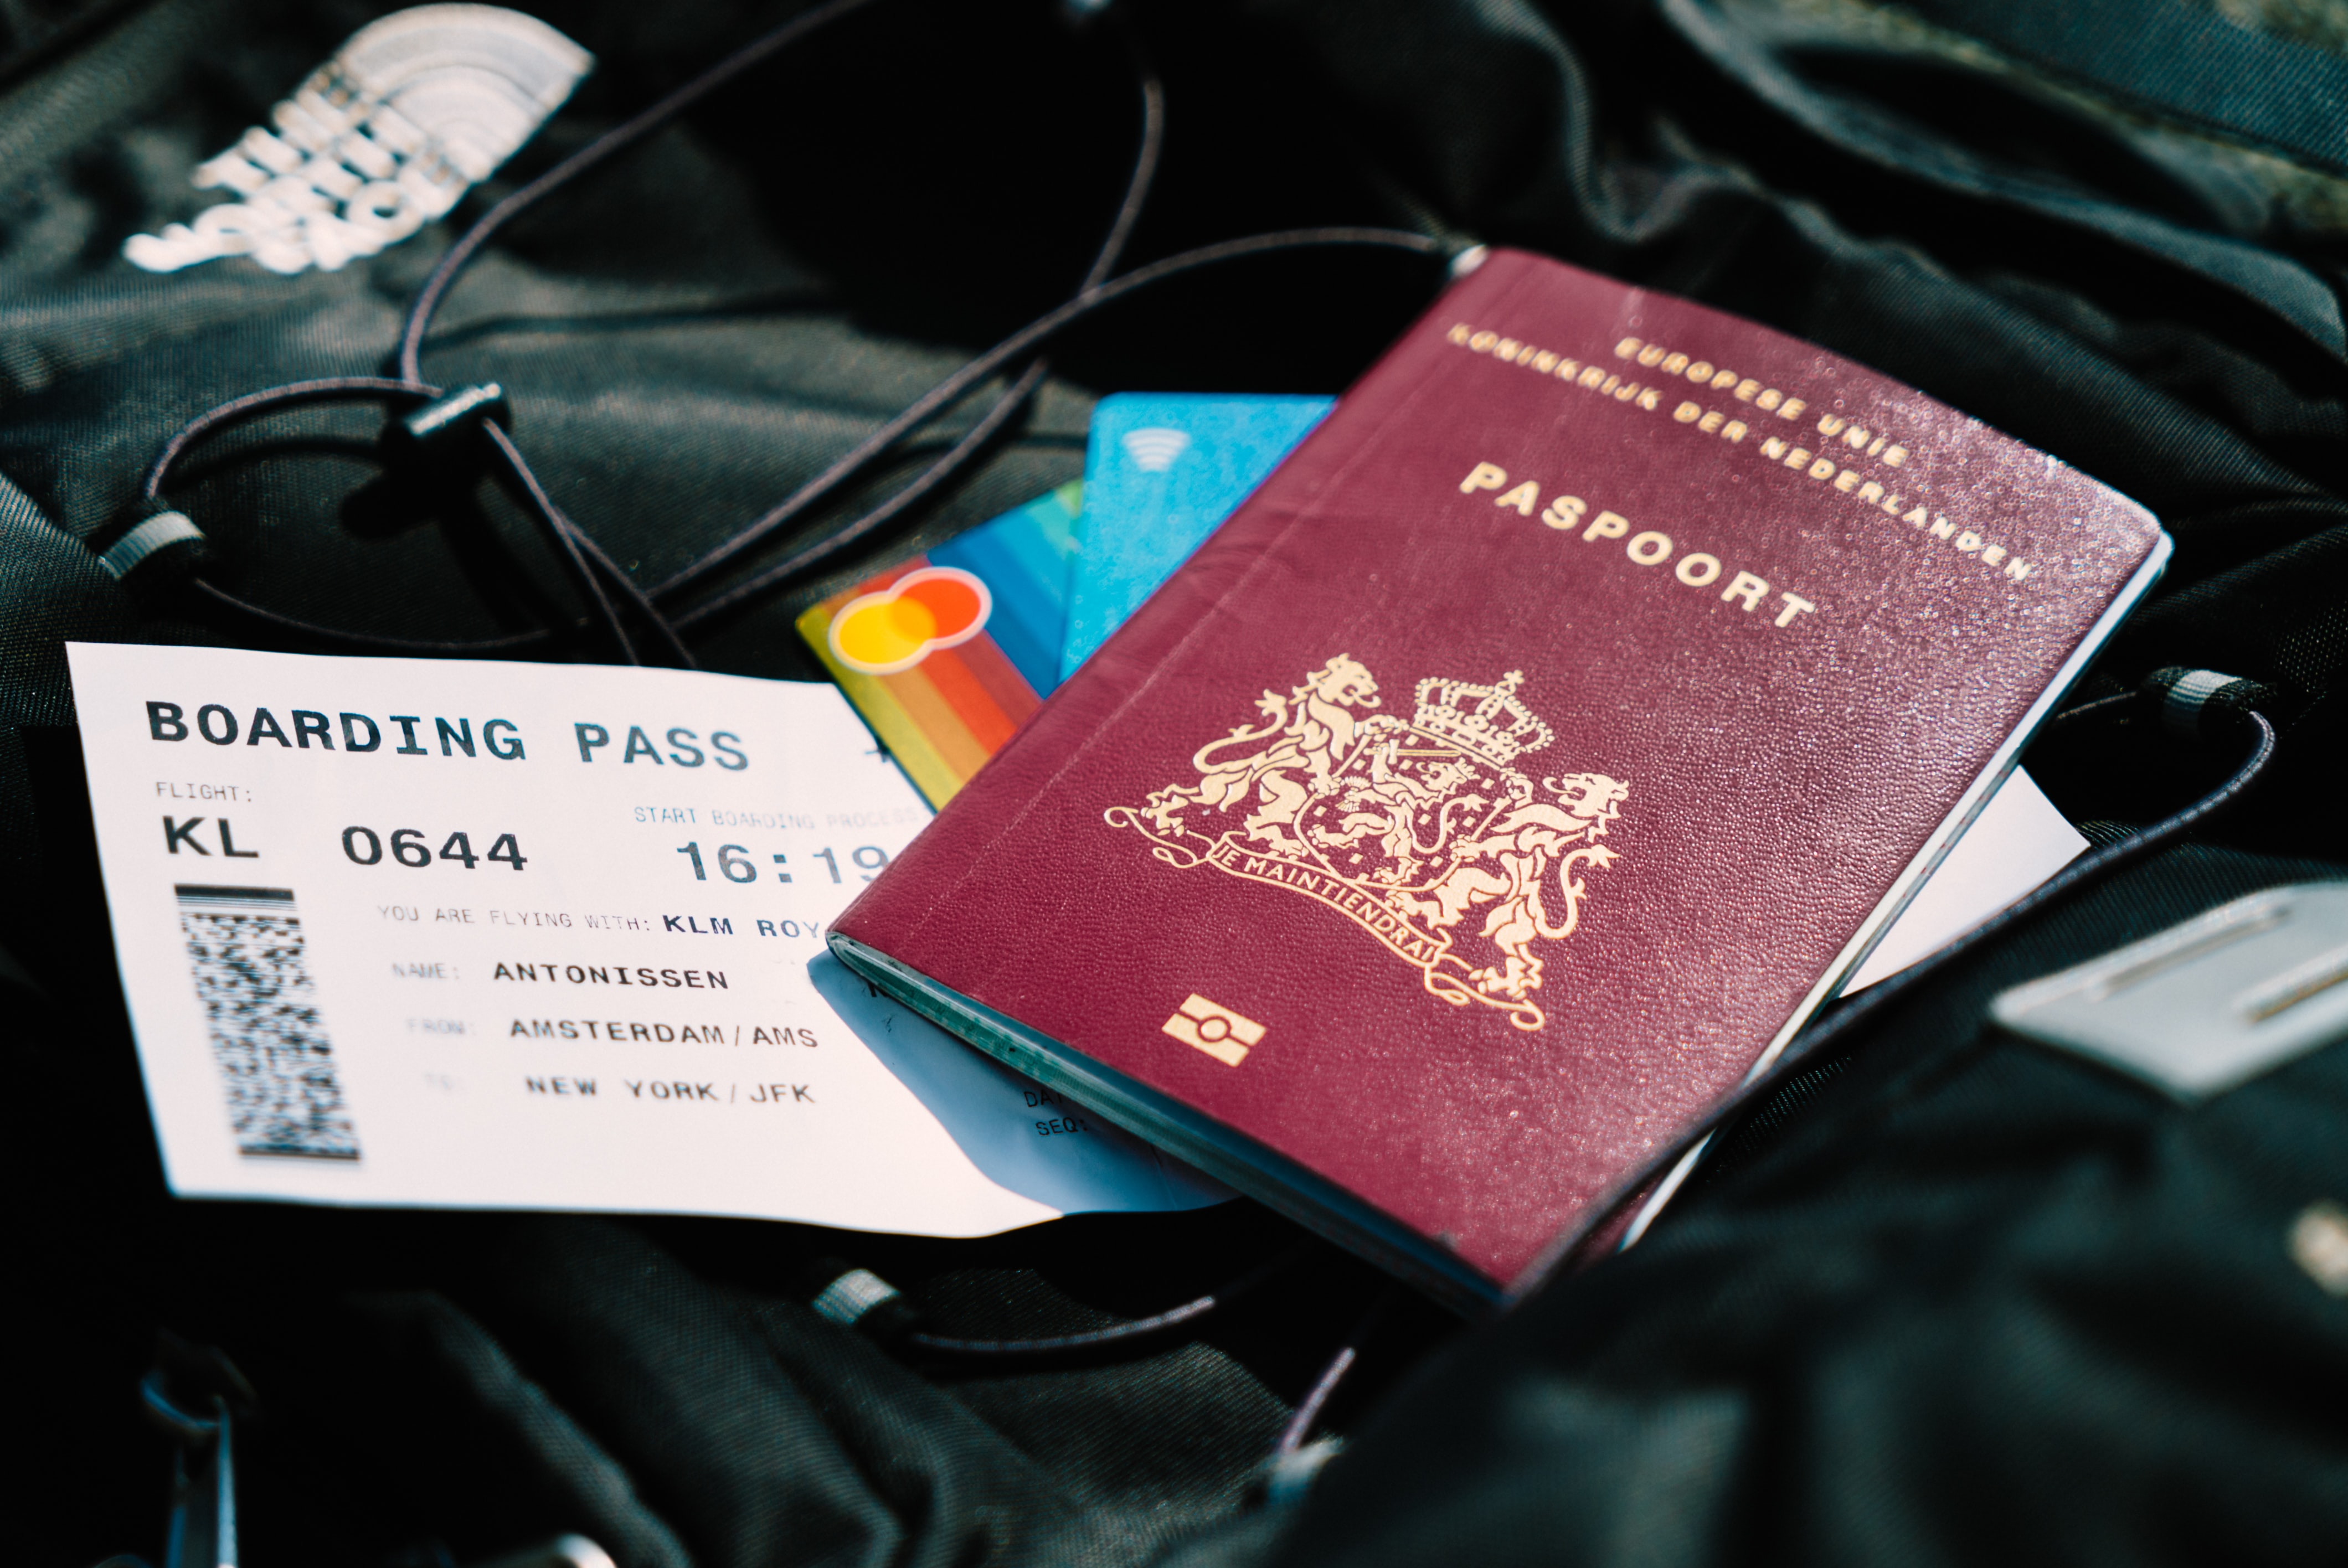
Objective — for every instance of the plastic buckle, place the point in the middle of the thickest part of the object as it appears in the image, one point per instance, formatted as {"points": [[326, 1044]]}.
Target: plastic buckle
{"points": [[2208, 1005]]}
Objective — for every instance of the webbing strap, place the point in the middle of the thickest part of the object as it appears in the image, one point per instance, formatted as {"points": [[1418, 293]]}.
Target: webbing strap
{"points": [[2184, 60]]}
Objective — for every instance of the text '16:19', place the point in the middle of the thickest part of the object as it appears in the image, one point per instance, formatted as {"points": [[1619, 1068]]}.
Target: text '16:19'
{"points": [[736, 863]]}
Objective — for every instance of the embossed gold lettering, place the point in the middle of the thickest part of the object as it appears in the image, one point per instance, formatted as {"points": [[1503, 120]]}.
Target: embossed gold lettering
{"points": [[1565, 512], [1745, 588]]}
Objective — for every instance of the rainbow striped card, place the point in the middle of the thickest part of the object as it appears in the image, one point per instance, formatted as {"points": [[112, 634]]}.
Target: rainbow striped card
{"points": [[947, 653]]}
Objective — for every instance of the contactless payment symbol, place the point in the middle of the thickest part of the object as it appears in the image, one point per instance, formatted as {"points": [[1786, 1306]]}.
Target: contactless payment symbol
{"points": [[897, 628], [1155, 449]]}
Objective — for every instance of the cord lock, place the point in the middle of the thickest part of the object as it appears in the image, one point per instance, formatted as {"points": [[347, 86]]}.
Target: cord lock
{"points": [[858, 1298], [167, 543], [451, 417], [2202, 704]]}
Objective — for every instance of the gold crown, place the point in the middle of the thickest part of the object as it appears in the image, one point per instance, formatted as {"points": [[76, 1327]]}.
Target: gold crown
{"points": [[1487, 720]]}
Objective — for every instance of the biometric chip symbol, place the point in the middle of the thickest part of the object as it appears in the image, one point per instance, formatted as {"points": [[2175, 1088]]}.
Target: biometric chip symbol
{"points": [[1225, 1035]]}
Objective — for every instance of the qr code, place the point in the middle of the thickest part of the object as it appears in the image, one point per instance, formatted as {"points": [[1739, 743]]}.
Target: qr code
{"points": [[247, 955]]}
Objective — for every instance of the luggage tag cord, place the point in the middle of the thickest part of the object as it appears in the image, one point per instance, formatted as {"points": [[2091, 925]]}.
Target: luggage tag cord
{"points": [[858, 1298], [170, 544], [2216, 705]]}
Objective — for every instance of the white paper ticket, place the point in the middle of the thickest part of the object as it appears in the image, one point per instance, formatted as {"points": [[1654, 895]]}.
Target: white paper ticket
{"points": [[524, 935]]}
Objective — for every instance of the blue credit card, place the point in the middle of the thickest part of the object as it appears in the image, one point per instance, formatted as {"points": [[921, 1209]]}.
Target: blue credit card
{"points": [[1161, 472]]}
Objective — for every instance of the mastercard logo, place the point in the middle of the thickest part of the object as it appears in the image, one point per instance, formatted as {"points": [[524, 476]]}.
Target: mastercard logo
{"points": [[896, 628]]}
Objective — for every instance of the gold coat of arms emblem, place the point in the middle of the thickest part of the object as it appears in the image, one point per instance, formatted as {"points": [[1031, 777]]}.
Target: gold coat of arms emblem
{"points": [[1423, 831]]}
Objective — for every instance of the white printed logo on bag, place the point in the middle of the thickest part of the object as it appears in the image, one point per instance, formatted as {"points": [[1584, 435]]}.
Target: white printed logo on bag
{"points": [[413, 111]]}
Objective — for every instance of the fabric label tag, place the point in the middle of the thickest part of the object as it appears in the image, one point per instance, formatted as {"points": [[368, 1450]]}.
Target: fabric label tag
{"points": [[496, 935]]}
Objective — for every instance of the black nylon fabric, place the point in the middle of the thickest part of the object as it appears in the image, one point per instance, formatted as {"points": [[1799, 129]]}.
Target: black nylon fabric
{"points": [[1978, 1301], [1952, 1298]]}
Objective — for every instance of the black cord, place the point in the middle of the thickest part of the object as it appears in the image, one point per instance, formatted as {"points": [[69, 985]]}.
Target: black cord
{"points": [[579, 553], [1119, 1334], [986, 364], [1007, 407], [369, 641], [944, 393], [566, 536], [1308, 1411], [299, 393], [1841, 1030], [589, 565], [2089, 709], [306, 393], [613, 142]]}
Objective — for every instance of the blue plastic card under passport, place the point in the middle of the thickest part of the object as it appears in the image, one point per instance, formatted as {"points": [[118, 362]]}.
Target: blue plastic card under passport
{"points": [[1162, 470], [1023, 558]]}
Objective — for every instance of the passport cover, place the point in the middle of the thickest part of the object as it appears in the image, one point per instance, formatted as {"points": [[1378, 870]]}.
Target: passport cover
{"points": [[1161, 470], [1515, 771], [946, 654]]}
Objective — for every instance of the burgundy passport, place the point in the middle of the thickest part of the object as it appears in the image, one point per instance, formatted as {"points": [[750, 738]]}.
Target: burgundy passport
{"points": [[1516, 770]]}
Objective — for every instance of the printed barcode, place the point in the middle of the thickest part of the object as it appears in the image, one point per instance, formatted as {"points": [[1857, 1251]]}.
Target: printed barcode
{"points": [[245, 952]]}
